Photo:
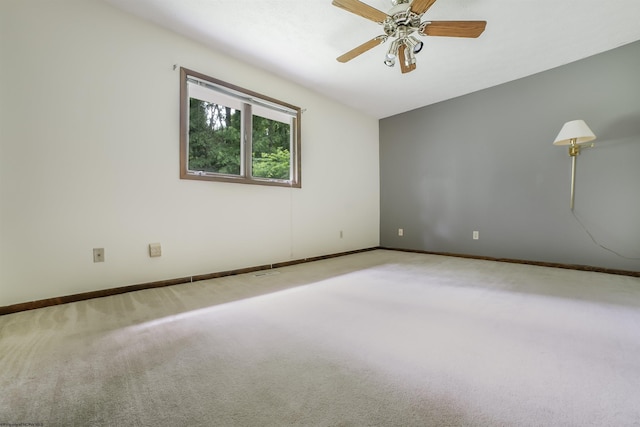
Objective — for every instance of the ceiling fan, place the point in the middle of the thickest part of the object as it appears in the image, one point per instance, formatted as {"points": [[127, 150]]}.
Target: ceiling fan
{"points": [[401, 23]]}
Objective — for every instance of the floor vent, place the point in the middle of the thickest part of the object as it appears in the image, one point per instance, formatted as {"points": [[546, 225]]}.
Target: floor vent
{"points": [[266, 273]]}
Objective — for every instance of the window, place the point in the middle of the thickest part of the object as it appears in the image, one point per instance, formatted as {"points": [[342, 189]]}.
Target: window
{"points": [[232, 134]]}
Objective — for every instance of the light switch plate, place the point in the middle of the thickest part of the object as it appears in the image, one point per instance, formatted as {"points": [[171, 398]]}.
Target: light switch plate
{"points": [[155, 249]]}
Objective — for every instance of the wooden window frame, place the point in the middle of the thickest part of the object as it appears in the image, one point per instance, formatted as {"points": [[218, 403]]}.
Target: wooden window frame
{"points": [[243, 178]]}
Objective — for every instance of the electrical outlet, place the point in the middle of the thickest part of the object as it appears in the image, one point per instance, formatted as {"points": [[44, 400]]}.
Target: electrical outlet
{"points": [[155, 249], [401, 232], [98, 254], [476, 235]]}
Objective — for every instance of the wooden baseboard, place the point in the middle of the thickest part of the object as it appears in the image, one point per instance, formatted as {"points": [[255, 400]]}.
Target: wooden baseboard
{"points": [[32, 305], [521, 261]]}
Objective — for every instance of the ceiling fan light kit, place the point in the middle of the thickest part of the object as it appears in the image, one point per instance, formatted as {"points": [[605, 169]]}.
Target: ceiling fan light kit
{"points": [[401, 24]]}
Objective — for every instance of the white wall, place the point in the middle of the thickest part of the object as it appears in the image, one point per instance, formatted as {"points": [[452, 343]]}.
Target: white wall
{"points": [[89, 158]]}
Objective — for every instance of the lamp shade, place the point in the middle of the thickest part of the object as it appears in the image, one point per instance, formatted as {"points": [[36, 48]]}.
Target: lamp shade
{"points": [[575, 129]]}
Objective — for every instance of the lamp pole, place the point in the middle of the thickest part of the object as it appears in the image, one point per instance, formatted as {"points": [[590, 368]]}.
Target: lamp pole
{"points": [[574, 150], [573, 179]]}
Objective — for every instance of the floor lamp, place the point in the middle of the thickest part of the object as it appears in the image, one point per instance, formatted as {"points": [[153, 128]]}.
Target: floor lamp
{"points": [[574, 134]]}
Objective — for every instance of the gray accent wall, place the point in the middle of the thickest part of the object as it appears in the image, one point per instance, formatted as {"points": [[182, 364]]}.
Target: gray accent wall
{"points": [[485, 161]]}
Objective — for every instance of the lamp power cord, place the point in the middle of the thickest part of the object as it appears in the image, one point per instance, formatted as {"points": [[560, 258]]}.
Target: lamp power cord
{"points": [[598, 243]]}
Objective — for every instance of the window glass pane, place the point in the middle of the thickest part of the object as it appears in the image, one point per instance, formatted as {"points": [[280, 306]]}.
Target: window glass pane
{"points": [[214, 137], [271, 150]]}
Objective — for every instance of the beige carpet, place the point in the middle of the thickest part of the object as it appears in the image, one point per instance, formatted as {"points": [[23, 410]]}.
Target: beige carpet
{"points": [[379, 338]]}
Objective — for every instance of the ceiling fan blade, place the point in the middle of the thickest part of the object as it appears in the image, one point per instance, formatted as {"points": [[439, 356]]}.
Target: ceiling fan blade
{"points": [[362, 9], [421, 6], [362, 48], [404, 67], [470, 29]]}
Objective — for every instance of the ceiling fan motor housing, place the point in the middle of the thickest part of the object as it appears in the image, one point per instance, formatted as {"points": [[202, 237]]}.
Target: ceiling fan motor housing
{"points": [[401, 21]]}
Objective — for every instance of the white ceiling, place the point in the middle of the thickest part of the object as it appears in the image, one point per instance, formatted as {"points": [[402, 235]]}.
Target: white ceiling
{"points": [[300, 39]]}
